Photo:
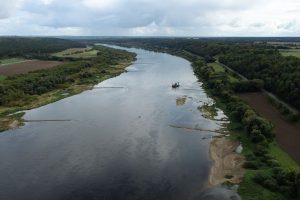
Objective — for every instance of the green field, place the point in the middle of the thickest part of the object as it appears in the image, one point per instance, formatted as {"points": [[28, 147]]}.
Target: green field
{"points": [[10, 61], [77, 53], [2, 77], [283, 158], [293, 52], [218, 68]]}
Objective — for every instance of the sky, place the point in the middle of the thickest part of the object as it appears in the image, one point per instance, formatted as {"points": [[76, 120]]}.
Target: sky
{"points": [[150, 17]]}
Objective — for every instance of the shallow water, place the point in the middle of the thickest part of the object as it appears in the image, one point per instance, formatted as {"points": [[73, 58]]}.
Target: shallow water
{"points": [[126, 139]]}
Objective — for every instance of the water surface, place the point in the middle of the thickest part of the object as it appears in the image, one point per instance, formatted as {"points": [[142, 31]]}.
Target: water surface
{"points": [[132, 137]]}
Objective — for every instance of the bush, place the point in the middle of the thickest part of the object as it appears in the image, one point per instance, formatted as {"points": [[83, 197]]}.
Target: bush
{"points": [[251, 165]]}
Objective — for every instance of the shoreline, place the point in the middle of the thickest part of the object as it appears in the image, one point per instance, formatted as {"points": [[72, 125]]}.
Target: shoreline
{"points": [[11, 118], [260, 157], [227, 166]]}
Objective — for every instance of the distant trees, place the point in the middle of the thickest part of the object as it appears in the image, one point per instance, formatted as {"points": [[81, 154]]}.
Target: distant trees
{"points": [[34, 47], [248, 86], [281, 75]]}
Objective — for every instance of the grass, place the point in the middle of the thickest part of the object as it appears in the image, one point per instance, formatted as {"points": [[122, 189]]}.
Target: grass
{"points": [[283, 158], [10, 61], [217, 67], [232, 79], [2, 77], [292, 52], [77, 53], [249, 190]]}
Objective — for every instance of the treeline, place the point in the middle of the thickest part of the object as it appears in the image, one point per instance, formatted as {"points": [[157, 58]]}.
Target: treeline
{"points": [[31, 47], [281, 75], [19, 90], [259, 132], [279, 180], [277, 74]]}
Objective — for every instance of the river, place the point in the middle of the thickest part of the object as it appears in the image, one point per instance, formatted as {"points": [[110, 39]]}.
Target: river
{"points": [[131, 137]]}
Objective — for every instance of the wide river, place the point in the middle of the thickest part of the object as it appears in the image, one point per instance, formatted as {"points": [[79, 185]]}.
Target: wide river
{"points": [[131, 137]]}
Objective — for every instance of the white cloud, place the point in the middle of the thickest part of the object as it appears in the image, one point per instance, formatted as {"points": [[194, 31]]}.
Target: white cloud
{"points": [[152, 17], [100, 4], [8, 8]]}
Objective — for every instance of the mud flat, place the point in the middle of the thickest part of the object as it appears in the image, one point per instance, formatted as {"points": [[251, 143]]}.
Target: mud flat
{"points": [[28, 66]]}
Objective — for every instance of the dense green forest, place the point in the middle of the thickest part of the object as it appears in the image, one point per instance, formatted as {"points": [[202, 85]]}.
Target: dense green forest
{"points": [[29, 47], [279, 75]]}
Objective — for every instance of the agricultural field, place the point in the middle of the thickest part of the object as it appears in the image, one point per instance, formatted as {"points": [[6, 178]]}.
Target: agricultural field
{"points": [[77, 53], [218, 68], [26, 66], [292, 52], [10, 61]]}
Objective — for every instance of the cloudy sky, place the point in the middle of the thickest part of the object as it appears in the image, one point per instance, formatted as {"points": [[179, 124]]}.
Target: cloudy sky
{"points": [[150, 17]]}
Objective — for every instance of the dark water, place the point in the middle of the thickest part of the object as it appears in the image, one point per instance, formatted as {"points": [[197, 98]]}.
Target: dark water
{"points": [[116, 143]]}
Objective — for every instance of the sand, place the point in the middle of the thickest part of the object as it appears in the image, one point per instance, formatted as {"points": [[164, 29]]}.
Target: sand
{"points": [[227, 163]]}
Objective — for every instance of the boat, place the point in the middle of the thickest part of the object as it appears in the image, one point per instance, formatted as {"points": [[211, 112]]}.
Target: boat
{"points": [[175, 85]]}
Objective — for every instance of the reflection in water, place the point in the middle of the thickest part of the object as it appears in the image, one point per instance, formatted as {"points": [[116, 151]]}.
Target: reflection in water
{"points": [[118, 145], [218, 193]]}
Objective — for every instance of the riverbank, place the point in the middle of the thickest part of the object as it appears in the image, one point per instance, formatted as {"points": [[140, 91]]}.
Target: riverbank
{"points": [[227, 164], [11, 116], [265, 163]]}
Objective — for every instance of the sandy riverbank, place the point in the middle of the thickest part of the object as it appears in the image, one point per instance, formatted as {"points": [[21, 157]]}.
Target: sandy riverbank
{"points": [[227, 163]]}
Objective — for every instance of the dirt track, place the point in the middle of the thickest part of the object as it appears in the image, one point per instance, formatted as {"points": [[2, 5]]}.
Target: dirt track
{"points": [[287, 134], [25, 67]]}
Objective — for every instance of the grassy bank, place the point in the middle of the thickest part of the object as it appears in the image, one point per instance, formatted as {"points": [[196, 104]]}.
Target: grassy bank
{"points": [[27, 91]]}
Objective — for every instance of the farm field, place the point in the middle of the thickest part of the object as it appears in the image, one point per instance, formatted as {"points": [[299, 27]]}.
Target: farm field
{"points": [[282, 128], [25, 67], [218, 68], [77, 53], [294, 52], [10, 61]]}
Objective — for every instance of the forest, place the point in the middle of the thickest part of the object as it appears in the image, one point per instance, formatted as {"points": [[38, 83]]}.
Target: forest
{"points": [[32, 47]]}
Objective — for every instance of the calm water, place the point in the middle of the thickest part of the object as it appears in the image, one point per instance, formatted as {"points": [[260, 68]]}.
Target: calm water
{"points": [[119, 143]]}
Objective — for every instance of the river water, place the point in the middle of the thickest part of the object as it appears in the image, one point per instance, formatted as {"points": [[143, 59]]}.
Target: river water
{"points": [[131, 137]]}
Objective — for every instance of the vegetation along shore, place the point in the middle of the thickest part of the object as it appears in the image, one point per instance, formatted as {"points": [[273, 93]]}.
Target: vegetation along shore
{"points": [[52, 75], [269, 172]]}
